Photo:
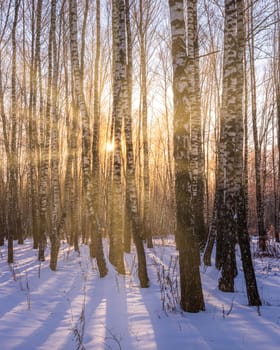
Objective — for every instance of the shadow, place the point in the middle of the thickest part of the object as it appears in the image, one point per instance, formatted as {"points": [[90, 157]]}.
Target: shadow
{"points": [[106, 322]]}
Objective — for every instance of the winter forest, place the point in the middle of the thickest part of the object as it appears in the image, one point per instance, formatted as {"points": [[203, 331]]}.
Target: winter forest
{"points": [[139, 174]]}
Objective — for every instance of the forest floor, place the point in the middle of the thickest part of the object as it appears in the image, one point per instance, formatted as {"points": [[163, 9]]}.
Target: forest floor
{"points": [[72, 308]]}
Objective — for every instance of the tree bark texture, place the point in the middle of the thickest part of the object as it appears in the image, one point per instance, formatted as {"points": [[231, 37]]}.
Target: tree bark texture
{"points": [[87, 183], [191, 290], [197, 157]]}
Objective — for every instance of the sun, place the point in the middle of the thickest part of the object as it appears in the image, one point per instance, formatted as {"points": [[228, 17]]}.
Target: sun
{"points": [[109, 147]]}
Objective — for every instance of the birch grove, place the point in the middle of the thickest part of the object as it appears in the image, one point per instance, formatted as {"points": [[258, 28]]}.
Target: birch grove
{"points": [[127, 121]]}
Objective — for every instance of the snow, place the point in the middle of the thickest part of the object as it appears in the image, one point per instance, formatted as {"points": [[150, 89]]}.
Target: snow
{"points": [[72, 308]]}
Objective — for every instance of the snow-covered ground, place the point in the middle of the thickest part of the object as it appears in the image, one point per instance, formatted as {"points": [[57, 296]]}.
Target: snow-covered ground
{"points": [[73, 309]]}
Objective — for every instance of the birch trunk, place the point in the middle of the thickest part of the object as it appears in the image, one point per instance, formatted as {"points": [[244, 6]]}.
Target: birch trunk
{"points": [[226, 205], [144, 116], [127, 218], [87, 183], [33, 141], [96, 125], [119, 76], [258, 186], [191, 290], [44, 139], [196, 132], [242, 229], [13, 155], [55, 210], [132, 201], [277, 97]]}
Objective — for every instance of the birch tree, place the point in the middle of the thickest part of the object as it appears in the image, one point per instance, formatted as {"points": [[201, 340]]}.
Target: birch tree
{"points": [[191, 290], [55, 205], [70, 201], [4, 120], [257, 146], [13, 155], [240, 149], [119, 76], [232, 193], [143, 24], [276, 80], [44, 137], [197, 157], [127, 218], [96, 120], [87, 184], [132, 200], [226, 210], [33, 134]]}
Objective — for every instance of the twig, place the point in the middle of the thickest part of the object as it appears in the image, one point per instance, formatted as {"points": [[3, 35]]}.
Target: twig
{"points": [[28, 292]]}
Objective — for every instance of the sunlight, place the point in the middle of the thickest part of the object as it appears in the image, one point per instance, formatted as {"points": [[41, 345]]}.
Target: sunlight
{"points": [[109, 147]]}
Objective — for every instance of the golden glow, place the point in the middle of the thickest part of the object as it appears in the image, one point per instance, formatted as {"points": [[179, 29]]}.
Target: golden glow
{"points": [[109, 147]]}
